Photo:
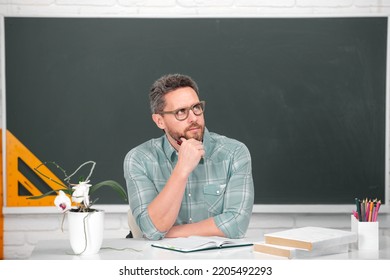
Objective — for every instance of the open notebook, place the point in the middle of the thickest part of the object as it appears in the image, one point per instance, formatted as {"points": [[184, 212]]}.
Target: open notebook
{"points": [[199, 243]]}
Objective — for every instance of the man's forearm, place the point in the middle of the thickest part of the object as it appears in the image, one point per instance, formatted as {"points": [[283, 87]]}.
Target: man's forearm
{"points": [[203, 228], [163, 210]]}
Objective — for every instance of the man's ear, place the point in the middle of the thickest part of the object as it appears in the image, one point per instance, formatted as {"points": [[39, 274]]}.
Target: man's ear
{"points": [[158, 120]]}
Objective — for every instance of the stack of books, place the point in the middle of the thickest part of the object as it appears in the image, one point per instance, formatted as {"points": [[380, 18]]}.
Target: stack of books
{"points": [[306, 242]]}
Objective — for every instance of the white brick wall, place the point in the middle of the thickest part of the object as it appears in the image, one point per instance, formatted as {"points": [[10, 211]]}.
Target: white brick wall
{"points": [[190, 7], [23, 231]]}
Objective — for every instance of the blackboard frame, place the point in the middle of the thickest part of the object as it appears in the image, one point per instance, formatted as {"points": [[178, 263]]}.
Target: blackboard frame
{"points": [[258, 208]]}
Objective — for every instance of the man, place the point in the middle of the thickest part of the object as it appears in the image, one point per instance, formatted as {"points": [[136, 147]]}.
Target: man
{"points": [[189, 181]]}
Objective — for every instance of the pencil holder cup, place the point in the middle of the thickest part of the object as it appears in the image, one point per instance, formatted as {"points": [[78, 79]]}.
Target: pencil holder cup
{"points": [[368, 234]]}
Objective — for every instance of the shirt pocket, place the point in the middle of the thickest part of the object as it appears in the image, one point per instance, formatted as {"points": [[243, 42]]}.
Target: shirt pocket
{"points": [[213, 196]]}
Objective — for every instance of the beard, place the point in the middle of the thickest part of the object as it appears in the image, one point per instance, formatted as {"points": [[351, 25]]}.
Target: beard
{"points": [[187, 134]]}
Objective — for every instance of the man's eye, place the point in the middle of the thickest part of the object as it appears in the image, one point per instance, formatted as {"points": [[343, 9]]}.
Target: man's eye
{"points": [[198, 107], [181, 112]]}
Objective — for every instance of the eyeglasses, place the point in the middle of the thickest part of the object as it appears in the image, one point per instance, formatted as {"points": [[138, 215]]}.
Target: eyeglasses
{"points": [[182, 113]]}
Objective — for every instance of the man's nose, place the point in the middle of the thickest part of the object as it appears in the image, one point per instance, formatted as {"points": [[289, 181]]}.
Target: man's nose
{"points": [[191, 116]]}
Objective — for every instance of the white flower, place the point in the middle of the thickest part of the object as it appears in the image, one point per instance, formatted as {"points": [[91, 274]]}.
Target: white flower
{"points": [[62, 201], [81, 193]]}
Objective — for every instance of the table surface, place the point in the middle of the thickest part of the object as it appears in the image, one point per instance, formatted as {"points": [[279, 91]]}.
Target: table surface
{"points": [[141, 249]]}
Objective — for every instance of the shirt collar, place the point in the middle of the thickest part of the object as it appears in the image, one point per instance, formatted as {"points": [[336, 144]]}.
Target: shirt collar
{"points": [[171, 153]]}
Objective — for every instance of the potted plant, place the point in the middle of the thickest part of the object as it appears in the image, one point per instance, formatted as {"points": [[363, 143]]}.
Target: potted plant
{"points": [[86, 223]]}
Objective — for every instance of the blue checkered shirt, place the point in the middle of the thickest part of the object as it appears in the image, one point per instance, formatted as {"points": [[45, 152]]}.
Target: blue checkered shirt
{"points": [[221, 186]]}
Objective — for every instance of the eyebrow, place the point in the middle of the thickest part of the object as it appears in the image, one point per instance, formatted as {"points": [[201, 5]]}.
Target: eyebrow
{"points": [[186, 107]]}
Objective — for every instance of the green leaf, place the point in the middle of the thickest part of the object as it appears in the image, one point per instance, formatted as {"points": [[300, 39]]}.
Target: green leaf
{"points": [[110, 183]]}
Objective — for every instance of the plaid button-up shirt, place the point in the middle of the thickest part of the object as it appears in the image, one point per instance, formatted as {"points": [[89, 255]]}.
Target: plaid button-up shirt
{"points": [[221, 186]]}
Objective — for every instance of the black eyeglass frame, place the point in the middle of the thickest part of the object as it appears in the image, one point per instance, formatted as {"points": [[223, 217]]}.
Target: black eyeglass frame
{"points": [[187, 110]]}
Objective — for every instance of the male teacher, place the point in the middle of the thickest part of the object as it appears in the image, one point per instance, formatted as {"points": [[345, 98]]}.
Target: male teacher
{"points": [[189, 181]]}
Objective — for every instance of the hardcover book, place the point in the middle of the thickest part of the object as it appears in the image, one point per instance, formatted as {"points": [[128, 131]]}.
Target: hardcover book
{"points": [[295, 253], [310, 238]]}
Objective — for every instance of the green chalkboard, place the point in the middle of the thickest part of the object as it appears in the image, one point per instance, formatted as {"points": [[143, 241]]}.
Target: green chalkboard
{"points": [[306, 95]]}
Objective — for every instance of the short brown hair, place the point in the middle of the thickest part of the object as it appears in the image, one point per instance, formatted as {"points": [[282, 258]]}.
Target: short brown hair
{"points": [[166, 84]]}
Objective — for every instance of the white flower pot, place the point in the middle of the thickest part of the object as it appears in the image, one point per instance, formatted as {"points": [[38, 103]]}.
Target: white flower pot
{"points": [[86, 231]]}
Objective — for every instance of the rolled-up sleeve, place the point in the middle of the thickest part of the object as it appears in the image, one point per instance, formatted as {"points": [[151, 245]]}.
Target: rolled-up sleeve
{"points": [[141, 191], [239, 196]]}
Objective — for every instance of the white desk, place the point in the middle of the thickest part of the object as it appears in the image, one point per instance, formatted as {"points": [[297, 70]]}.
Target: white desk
{"points": [[121, 249]]}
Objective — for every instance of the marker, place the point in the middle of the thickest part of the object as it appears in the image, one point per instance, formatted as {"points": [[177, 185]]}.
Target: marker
{"points": [[358, 209], [378, 204], [355, 214]]}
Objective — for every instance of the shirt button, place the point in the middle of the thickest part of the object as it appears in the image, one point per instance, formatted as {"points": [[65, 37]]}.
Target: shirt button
{"points": [[189, 194], [217, 192], [190, 220]]}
